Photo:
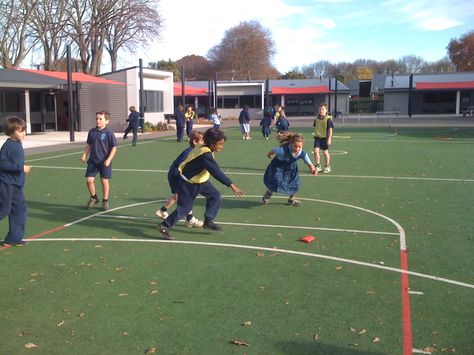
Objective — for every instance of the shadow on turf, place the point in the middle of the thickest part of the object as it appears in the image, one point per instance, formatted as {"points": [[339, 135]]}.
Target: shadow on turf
{"points": [[316, 348]]}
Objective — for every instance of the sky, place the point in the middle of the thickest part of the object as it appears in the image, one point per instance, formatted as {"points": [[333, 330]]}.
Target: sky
{"points": [[308, 31]]}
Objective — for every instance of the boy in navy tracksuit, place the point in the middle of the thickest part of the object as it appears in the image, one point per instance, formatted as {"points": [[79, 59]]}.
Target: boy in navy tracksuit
{"points": [[133, 122], [12, 180], [102, 146], [195, 171]]}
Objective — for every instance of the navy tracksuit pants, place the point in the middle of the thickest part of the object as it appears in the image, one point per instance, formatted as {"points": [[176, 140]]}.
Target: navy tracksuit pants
{"points": [[187, 193], [13, 205]]}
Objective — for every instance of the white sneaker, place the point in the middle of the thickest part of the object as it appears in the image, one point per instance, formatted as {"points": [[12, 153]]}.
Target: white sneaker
{"points": [[327, 169], [162, 214], [318, 168], [194, 222]]}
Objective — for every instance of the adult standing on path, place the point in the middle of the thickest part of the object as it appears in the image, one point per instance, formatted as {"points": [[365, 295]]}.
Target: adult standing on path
{"points": [[244, 121], [133, 120]]}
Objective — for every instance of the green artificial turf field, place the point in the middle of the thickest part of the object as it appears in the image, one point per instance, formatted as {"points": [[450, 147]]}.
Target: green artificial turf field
{"points": [[92, 282]]}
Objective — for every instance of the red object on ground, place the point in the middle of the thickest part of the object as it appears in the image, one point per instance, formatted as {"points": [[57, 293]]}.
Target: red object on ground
{"points": [[307, 238]]}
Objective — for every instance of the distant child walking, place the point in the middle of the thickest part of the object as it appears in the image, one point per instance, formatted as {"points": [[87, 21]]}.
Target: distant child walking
{"points": [[244, 121], [190, 116], [180, 123], [323, 129], [282, 124], [102, 146], [195, 139], [133, 122], [195, 172], [266, 122], [215, 118], [12, 180], [281, 174]]}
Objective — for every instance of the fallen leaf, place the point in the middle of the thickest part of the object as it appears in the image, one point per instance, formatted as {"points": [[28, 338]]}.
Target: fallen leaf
{"points": [[338, 267], [98, 246], [153, 283], [247, 323], [154, 292], [316, 336], [260, 253], [429, 349], [123, 294], [60, 324], [239, 342], [34, 274], [31, 346], [81, 315], [451, 350], [362, 331], [151, 351], [352, 329], [375, 340]]}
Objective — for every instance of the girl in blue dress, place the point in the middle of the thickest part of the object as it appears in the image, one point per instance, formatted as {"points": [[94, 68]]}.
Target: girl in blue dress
{"points": [[281, 174]]}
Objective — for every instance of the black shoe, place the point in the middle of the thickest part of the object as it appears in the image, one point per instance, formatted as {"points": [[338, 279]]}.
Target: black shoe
{"points": [[211, 225], [124, 136], [165, 232]]}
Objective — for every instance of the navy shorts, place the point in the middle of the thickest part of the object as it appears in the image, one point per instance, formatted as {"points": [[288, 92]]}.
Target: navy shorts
{"points": [[104, 171], [321, 143], [173, 180]]}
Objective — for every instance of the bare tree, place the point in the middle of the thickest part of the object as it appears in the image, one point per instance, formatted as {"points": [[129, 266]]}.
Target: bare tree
{"points": [[134, 24], [48, 22], [461, 52], [411, 64], [317, 70], [245, 52], [443, 65], [16, 40]]}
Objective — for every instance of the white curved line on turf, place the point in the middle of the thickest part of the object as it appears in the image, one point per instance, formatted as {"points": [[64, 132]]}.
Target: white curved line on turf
{"points": [[437, 278], [263, 225], [241, 246], [261, 174]]}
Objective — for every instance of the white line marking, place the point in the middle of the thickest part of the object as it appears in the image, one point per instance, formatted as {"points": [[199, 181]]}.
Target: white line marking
{"points": [[240, 246], [415, 293], [262, 225], [419, 351], [261, 174]]}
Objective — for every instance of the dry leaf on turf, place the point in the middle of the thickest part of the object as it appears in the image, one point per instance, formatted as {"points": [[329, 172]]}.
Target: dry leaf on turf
{"points": [[362, 331], [375, 340], [316, 336], [260, 253], [60, 324], [31, 346], [151, 351], [352, 329], [247, 323], [239, 342], [338, 267]]}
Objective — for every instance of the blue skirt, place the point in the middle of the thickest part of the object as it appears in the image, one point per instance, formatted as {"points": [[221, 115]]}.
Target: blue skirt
{"points": [[282, 177]]}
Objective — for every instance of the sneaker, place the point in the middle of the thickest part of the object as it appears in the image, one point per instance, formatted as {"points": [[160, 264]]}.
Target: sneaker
{"points": [[212, 225], [105, 205], [318, 168], [327, 169], [162, 214], [8, 244], [165, 232], [124, 136], [194, 222], [266, 198], [294, 202], [92, 202]]}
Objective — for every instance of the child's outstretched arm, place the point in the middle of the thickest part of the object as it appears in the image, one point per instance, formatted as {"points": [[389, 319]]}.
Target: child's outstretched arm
{"points": [[312, 169], [86, 153], [108, 161], [237, 192], [270, 154]]}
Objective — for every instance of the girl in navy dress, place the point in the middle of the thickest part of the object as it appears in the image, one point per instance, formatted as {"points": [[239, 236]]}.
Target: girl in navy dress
{"points": [[282, 173], [266, 122]]}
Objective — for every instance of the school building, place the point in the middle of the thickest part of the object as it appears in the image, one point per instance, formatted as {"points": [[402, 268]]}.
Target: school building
{"points": [[434, 94], [41, 98], [300, 97]]}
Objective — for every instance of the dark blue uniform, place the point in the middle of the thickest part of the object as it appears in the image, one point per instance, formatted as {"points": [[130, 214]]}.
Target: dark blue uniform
{"points": [[12, 199], [133, 121], [101, 142]]}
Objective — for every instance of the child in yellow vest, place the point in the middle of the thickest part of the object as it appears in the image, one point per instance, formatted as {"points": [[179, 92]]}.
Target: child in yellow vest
{"points": [[323, 129]]}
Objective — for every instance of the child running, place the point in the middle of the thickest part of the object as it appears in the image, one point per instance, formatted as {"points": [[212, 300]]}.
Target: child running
{"points": [[12, 180], [282, 172], [194, 173], [195, 139]]}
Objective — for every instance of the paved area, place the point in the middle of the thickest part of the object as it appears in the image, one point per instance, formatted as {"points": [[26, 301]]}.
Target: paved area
{"points": [[37, 143]]}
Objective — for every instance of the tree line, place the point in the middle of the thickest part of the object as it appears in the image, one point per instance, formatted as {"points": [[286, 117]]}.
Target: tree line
{"points": [[92, 29], [98, 28]]}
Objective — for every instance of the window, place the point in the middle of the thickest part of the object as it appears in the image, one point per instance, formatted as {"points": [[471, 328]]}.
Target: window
{"points": [[230, 102], [13, 101], [153, 101]]}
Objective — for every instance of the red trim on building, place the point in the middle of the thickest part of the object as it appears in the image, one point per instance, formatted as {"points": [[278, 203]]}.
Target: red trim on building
{"points": [[189, 90], [446, 85], [302, 90], [81, 77]]}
